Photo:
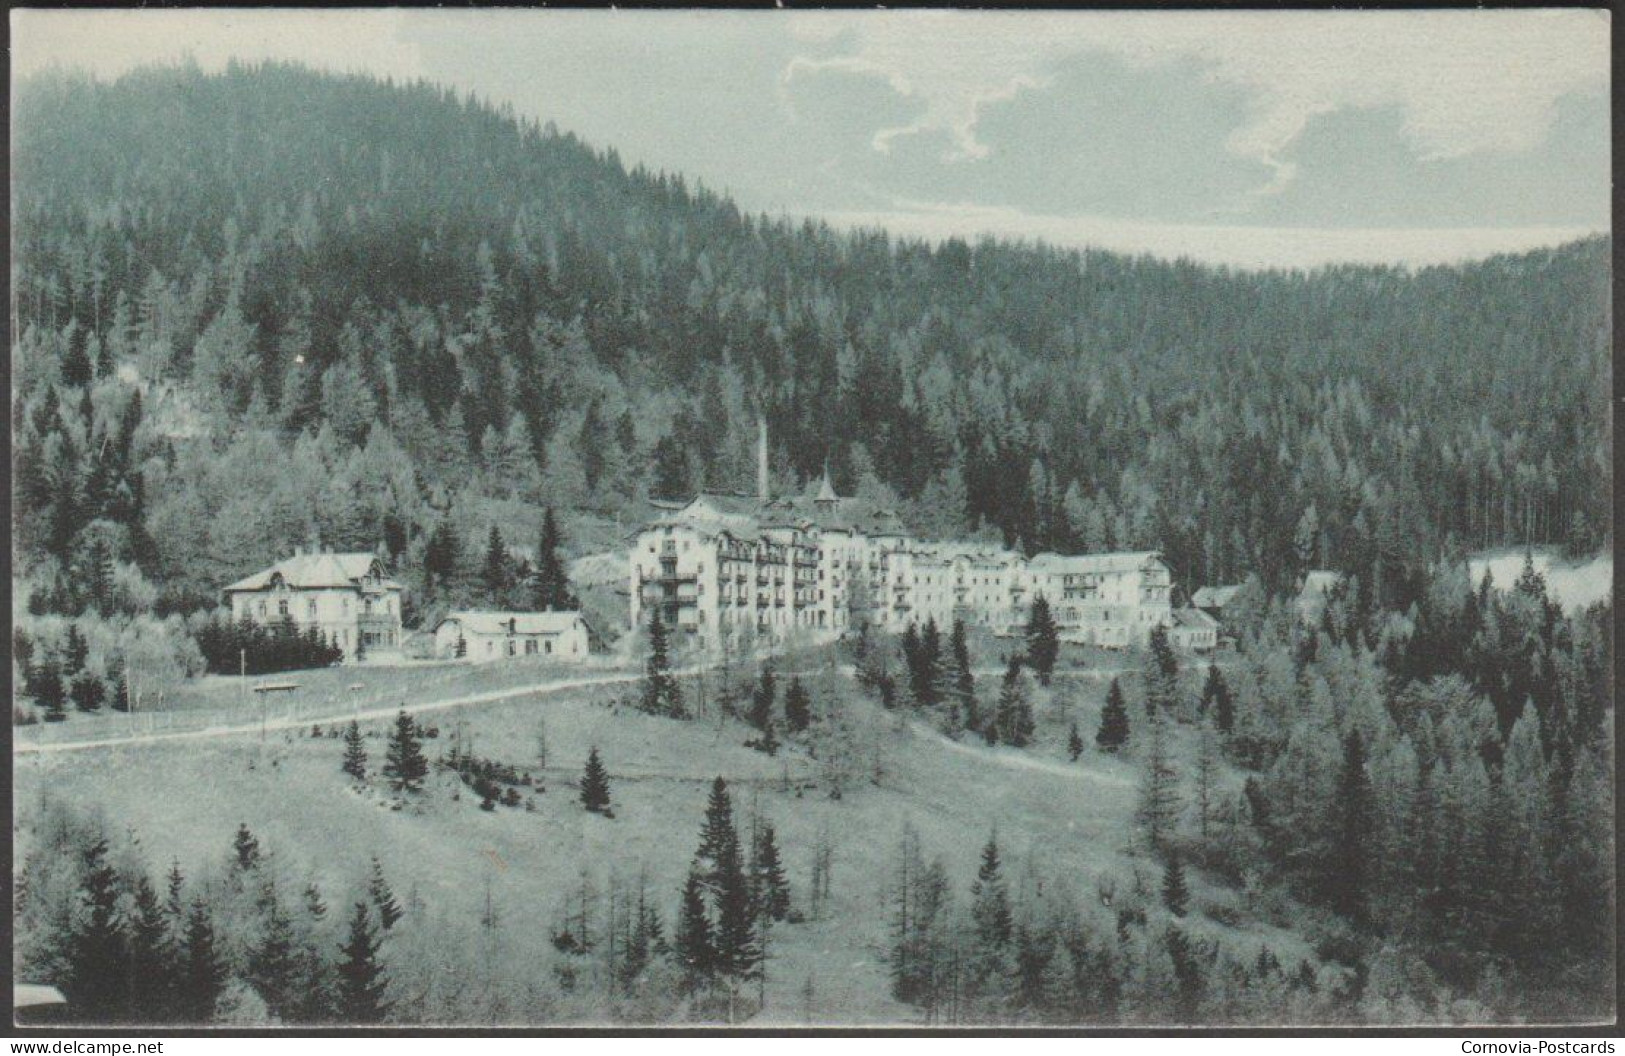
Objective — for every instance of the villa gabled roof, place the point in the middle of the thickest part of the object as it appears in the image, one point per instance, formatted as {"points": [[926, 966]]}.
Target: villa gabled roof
{"points": [[1195, 618], [514, 622], [315, 571]]}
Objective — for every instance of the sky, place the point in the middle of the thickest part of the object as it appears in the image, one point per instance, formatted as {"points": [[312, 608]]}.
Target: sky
{"points": [[1248, 138]]}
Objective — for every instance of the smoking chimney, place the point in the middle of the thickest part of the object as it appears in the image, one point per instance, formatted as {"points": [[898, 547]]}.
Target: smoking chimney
{"points": [[761, 459]]}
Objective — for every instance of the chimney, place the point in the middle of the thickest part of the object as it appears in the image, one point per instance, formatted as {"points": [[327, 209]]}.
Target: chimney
{"points": [[761, 459]]}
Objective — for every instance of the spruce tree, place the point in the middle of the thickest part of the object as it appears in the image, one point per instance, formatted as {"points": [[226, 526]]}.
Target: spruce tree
{"points": [[797, 707], [246, 848], [1074, 743], [273, 961], [717, 833], [1175, 894], [762, 699], [1114, 731], [404, 763], [152, 957], [964, 680], [97, 948], [361, 981], [928, 688], [1349, 868], [692, 944], [87, 691], [1043, 640], [203, 969], [661, 693], [1216, 702], [496, 574], [1159, 789], [48, 691], [595, 784], [992, 923], [722, 870], [1014, 717], [771, 886], [76, 652], [553, 591], [383, 897], [1188, 984], [355, 752], [1161, 672]]}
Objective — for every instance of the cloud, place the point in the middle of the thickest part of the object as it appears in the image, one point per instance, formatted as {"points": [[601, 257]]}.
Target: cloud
{"points": [[1464, 81]]}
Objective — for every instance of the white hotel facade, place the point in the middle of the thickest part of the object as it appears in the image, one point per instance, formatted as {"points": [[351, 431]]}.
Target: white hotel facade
{"points": [[731, 566]]}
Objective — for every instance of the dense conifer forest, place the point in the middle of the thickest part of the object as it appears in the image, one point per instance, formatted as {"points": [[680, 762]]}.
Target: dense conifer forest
{"points": [[357, 310]]}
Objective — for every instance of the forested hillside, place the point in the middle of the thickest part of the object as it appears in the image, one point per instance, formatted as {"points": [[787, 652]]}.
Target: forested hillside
{"points": [[358, 310]]}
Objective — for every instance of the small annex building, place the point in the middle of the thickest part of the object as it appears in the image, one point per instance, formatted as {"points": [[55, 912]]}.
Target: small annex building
{"points": [[483, 637]]}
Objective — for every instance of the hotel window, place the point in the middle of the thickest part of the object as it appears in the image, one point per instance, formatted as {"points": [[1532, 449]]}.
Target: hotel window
{"points": [[512, 647], [310, 608], [548, 646], [282, 607], [262, 608]]}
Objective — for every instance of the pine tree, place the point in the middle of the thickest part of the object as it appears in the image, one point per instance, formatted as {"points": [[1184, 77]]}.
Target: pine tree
{"points": [[797, 707], [1216, 702], [404, 762], [595, 784], [1348, 868], [97, 948], [203, 970], [1074, 743], [382, 897], [355, 752], [1159, 789], [361, 977], [1175, 895], [1114, 731], [1043, 640]]}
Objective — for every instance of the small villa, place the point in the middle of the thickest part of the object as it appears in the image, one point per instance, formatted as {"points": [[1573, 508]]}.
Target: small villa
{"points": [[481, 637], [348, 597]]}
